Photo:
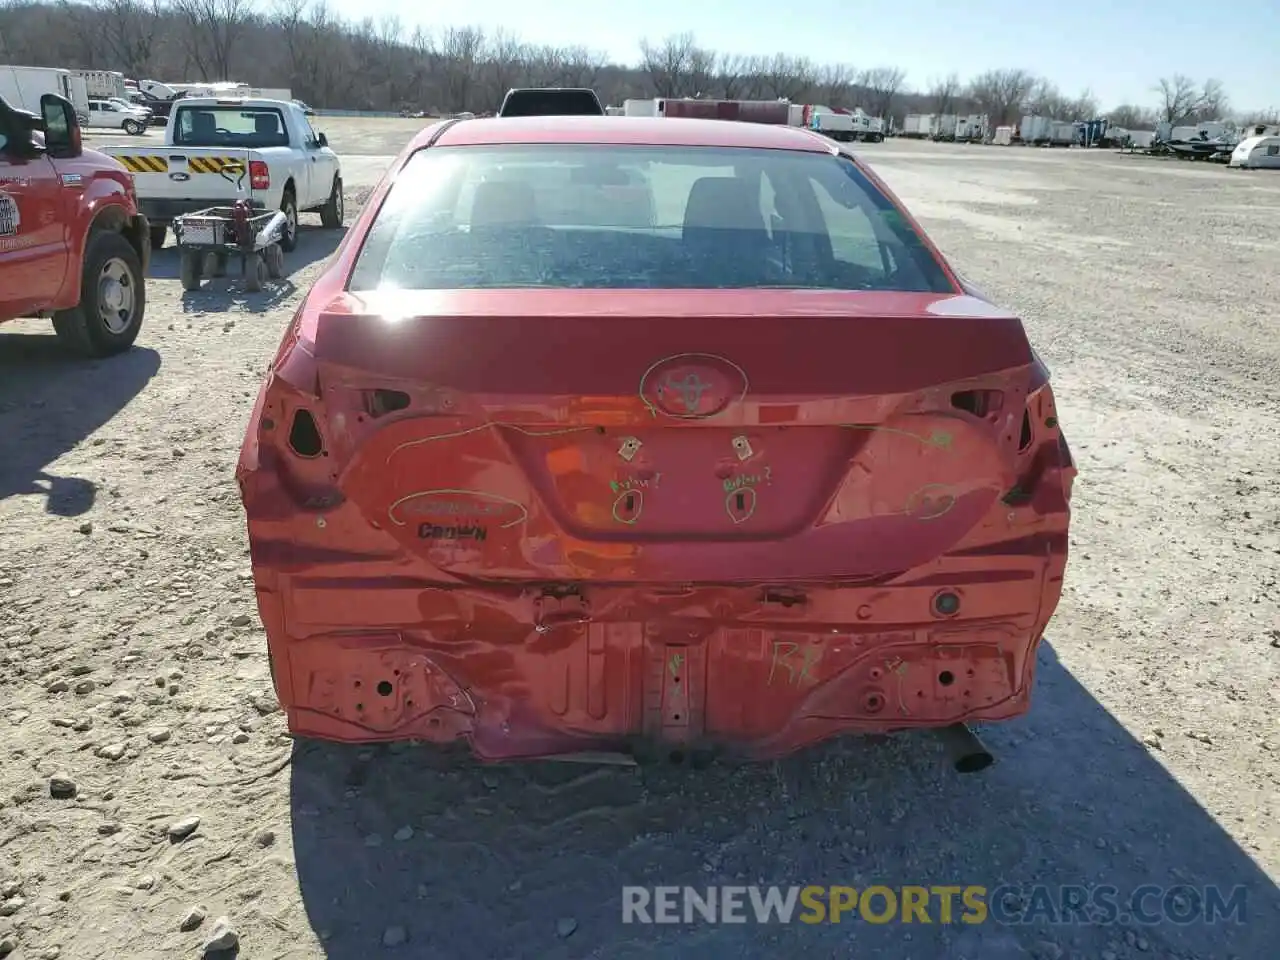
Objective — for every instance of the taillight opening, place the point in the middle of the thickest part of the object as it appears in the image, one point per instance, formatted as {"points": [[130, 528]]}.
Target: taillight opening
{"points": [[304, 436]]}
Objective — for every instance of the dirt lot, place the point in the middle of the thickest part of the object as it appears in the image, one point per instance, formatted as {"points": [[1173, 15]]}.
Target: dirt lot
{"points": [[134, 666]]}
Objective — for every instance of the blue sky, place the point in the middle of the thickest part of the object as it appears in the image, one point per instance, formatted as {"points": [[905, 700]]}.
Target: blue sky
{"points": [[1117, 48]]}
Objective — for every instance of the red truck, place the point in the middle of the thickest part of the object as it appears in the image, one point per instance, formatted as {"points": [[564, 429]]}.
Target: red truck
{"points": [[73, 244]]}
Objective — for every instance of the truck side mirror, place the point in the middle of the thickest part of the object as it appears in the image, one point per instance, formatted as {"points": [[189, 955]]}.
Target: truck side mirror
{"points": [[322, 140], [61, 127]]}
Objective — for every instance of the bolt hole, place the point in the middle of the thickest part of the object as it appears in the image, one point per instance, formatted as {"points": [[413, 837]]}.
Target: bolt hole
{"points": [[675, 716], [969, 672], [946, 678], [408, 703], [919, 693], [385, 688], [360, 706], [357, 684], [675, 680], [600, 431], [395, 673]]}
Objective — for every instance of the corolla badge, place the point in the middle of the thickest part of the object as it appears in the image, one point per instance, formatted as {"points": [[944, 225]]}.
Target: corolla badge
{"points": [[692, 386]]}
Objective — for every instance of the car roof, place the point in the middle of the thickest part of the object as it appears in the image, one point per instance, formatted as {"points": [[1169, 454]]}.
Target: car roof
{"points": [[648, 131]]}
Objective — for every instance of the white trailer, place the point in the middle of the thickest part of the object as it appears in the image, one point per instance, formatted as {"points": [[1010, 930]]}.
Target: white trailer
{"points": [[919, 125], [640, 108], [22, 87], [971, 128], [1003, 136], [1035, 130], [1062, 133], [80, 98], [104, 84], [1256, 153], [945, 129]]}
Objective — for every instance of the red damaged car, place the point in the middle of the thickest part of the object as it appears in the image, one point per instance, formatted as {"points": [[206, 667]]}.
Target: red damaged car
{"points": [[627, 435]]}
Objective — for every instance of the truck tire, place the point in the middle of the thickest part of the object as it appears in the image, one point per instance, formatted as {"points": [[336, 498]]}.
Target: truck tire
{"points": [[289, 206], [133, 127], [332, 212], [113, 299], [158, 234], [190, 269]]}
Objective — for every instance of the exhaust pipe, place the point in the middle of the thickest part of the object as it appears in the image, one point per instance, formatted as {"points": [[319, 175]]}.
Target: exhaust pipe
{"points": [[965, 751]]}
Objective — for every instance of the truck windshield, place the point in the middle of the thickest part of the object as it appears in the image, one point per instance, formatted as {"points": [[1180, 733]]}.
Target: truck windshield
{"points": [[245, 128], [664, 217]]}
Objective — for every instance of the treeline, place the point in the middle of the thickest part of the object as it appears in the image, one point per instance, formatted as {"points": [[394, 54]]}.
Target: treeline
{"points": [[338, 63]]}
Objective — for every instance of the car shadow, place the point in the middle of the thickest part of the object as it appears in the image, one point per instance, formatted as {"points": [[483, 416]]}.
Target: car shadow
{"points": [[50, 401], [225, 293], [529, 860]]}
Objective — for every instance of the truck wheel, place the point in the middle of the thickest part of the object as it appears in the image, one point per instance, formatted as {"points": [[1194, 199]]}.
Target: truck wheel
{"points": [[133, 127], [113, 299], [255, 275], [158, 234], [274, 257], [190, 269], [289, 206], [332, 212]]}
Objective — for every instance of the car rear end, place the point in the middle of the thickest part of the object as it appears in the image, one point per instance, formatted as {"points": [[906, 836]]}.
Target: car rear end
{"points": [[561, 473]]}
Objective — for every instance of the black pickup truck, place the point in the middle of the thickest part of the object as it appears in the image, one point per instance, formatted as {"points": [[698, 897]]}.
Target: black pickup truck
{"points": [[551, 102]]}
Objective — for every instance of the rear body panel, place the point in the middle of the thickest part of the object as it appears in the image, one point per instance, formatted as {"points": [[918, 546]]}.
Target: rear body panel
{"points": [[560, 521]]}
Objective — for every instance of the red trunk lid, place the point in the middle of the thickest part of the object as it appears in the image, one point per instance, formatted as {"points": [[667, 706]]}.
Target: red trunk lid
{"points": [[654, 436]]}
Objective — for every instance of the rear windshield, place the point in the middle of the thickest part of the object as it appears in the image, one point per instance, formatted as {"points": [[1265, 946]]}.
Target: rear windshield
{"points": [[625, 217], [245, 128]]}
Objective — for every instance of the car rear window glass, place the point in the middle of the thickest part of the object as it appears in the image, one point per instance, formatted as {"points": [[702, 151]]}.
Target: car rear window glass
{"points": [[623, 216], [246, 128]]}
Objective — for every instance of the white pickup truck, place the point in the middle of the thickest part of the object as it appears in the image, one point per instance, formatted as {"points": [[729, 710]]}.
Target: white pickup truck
{"points": [[217, 150]]}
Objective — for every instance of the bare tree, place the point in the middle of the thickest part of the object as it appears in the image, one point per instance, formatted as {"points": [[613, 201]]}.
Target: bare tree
{"points": [[213, 29], [883, 85], [835, 80], [944, 93], [582, 66], [667, 63], [508, 61], [786, 78], [1132, 117], [1001, 94], [460, 51], [377, 63], [1180, 98], [1213, 103]]}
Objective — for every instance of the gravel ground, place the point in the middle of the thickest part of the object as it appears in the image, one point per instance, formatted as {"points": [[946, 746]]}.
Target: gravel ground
{"points": [[135, 674]]}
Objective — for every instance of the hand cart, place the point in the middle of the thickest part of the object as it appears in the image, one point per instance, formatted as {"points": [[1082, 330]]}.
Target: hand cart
{"points": [[218, 233]]}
